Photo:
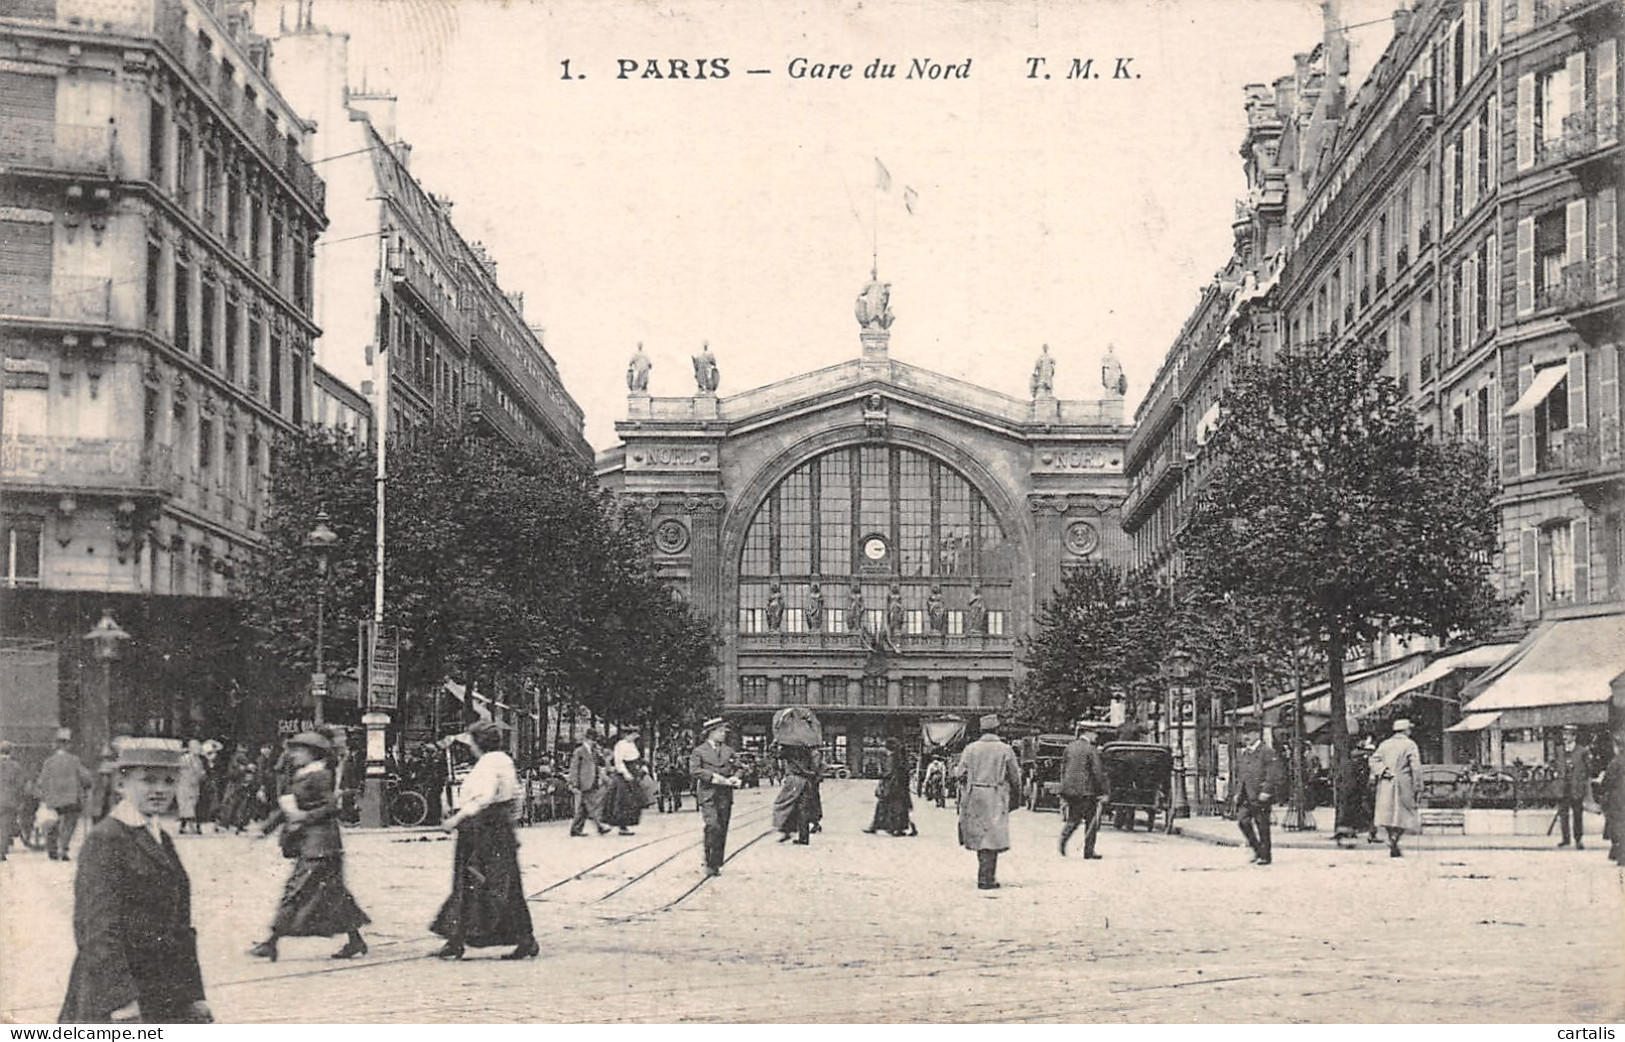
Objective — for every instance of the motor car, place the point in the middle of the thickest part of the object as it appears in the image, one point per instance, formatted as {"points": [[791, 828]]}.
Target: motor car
{"points": [[837, 770], [1040, 758]]}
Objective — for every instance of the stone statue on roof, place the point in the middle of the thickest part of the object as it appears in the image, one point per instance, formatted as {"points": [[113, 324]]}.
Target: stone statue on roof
{"points": [[1111, 373], [706, 375], [1043, 381], [637, 372], [874, 304]]}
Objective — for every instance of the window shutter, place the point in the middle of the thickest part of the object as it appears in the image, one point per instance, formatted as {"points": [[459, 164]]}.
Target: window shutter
{"points": [[1529, 569], [1522, 12], [1469, 300], [1608, 92], [1577, 389], [1493, 422], [1580, 536], [1526, 267], [1469, 168], [1608, 402], [1492, 282], [1494, 143], [1605, 250], [1526, 121], [1475, 11], [1449, 201], [1574, 220], [1577, 89], [1526, 424], [1492, 14]]}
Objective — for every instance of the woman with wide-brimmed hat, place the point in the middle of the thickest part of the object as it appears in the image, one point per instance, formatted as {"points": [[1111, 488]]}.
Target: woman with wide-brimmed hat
{"points": [[132, 904], [487, 906], [315, 902]]}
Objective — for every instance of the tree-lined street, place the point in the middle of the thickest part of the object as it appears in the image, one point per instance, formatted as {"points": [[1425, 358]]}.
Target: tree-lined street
{"points": [[872, 928]]}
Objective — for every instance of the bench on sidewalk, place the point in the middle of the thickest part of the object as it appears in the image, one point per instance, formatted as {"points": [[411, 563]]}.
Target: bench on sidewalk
{"points": [[1440, 819]]}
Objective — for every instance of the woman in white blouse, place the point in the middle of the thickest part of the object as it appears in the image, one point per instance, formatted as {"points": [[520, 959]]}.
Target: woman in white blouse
{"points": [[486, 907], [626, 792]]}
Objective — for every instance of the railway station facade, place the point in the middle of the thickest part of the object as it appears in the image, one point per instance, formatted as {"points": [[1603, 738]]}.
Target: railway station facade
{"points": [[872, 538]]}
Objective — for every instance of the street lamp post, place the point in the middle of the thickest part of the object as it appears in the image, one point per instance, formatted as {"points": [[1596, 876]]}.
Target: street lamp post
{"points": [[1178, 669], [106, 638], [320, 541]]}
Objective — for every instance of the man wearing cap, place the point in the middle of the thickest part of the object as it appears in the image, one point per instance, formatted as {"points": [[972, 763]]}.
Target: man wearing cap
{"points": [[132, 905], [714, 768], [1258, 777], [62, 784], [1573, 766], [1397, 767], [1083, 792], [989, 774], [12, 783]]}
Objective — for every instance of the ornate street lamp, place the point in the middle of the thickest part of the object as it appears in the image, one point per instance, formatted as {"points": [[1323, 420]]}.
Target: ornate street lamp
{"points": [[106, 639], [1177, 667], [320, 542]]}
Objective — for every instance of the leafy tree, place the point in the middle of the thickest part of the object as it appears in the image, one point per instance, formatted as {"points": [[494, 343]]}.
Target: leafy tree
{"points": [[1100, 633], [507, 568], [1334, 516]]}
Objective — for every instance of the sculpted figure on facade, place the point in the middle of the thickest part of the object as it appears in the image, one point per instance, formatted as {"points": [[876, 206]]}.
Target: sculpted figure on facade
{"points": [[813, 610], [637, 372], [1043, 381], [706, 375], [896, 615], [854, 609], [1111, 373], [775, 606], [874, 305], [936, 609], [976, 613]]}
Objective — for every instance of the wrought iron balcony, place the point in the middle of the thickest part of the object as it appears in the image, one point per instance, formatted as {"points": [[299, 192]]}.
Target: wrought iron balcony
{"points": [[1568, 450], [70, 148]]}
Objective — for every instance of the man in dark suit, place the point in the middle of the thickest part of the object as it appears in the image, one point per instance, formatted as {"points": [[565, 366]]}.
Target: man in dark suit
{"points": [[62, 784], [132, 905], [584, 783], [1573, 766], [1258, 777], [715, 771], [1083, 790]]}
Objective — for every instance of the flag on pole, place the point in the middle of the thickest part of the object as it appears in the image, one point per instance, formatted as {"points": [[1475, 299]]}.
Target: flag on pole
{"points": [[910, 198], [882, 176]]}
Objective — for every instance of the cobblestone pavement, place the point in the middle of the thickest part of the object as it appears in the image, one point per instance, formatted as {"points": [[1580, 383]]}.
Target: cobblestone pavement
{"points": [[859, 928]]}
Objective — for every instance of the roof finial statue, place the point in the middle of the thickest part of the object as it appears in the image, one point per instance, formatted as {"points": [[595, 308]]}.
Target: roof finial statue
{"points": [[1111, 373], [637, 372], [1043, 381], [874, 303], [706, 375]]}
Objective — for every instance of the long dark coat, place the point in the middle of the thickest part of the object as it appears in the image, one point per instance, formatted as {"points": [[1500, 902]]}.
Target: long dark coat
{"points": [[892, 802], [132, 923], [315, 901]]}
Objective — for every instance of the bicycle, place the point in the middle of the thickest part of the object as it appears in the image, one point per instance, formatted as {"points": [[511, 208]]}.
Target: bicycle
{"points": [[406, 807]]}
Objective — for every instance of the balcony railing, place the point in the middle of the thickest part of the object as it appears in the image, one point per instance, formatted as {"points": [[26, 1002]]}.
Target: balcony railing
{"points": [[87, 463], [1403, 259], [1573, 449], [63, 147], [71, 298]]}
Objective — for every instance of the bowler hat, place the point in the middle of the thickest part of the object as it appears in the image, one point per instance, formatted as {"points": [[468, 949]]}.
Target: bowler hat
{"points": [[312, 740], [147, 752], [1571, 728], [990, 722], [710, 725]]}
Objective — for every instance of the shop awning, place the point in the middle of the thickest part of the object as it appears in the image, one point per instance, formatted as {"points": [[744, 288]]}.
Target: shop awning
{"points": [[1473, 722], [1361, 689], [1542, 386], [1569, 662], [1476, 658]]}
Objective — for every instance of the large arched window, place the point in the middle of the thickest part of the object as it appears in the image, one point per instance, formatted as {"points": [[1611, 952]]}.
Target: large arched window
{"points": [[861, 519]]}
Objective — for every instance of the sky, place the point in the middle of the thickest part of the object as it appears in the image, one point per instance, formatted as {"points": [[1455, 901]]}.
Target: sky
{"points": [[744, 211]]}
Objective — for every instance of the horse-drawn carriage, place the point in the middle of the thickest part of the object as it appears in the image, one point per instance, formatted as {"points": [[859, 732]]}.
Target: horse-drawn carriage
{"points": [[1141, 778]]}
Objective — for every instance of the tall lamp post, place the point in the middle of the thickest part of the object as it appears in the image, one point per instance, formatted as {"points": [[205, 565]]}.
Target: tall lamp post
{"points": [[320, 542], [106, 638], [1178, 669]]}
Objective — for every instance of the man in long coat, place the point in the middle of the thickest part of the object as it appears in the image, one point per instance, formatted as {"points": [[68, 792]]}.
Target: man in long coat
{"points": [[1258, 777], [132, 906], [586, 785], [1573, 785], [13, 782], [715, 771], [989, 775], [62, 784], [1613, 802], [1397, 767], [1083, 789]]}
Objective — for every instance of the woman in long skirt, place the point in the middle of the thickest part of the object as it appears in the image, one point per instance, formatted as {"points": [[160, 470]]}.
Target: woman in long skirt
{"points": [[892, 801], [625, 804], [792, 809], [315, 901], [487, 903]]}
